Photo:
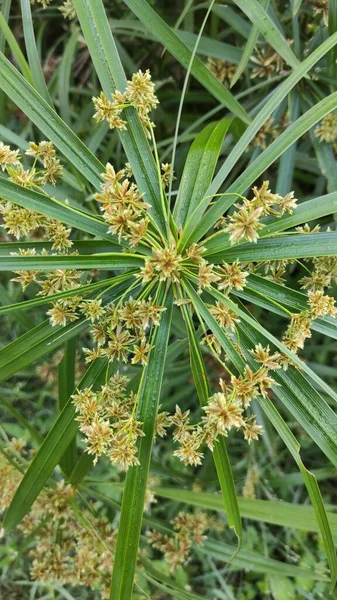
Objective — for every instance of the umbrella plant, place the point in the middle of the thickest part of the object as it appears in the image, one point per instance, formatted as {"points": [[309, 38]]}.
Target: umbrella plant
{"points": [[152, 253]]}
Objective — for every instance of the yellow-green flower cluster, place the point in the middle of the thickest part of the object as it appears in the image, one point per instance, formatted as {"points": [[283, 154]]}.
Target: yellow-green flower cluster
{"points": [[267, 61], [224, 412], [326, 131], [221, 69], [139, 94], [189, 529], [245, 224], [107, 417], [123, 206], [107, 420]]}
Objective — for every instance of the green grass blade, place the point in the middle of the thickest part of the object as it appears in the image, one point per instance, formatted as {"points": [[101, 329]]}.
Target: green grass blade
{"points": [[110, 260], [34, 434], [234, 20], [257, 14], [296, 6], [6, 300], [199, 169], [66, 386], [297, 382], [83, 289], [32, 53], [5, 11], [285, 514], [136, 478], [220, 455], [256, 562], [248, 49], [326, 161], [287, 161], [15, 49], [177, 48], [332, 28], [304, 213], [166, 584], [50, 452], [203, 312], [104, 54], [310, 483], [280, 247], [81, 247], [64, 75], [34, 344], [45, 118], [265, 113], [210, 47]]}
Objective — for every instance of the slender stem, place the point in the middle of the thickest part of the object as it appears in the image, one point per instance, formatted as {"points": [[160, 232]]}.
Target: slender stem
{"points": [[162, 193], [183, 93]]}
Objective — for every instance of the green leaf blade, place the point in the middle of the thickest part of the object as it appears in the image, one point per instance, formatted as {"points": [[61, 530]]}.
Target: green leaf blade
{"points": [[136, 478], [198, 170]]}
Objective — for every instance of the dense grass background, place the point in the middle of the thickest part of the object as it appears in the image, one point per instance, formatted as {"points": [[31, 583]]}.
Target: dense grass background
{"points": [[37, 382]]}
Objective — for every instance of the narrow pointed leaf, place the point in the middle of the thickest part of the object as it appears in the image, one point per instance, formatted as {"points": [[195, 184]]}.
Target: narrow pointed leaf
{"points": [[66, 386], [280, 247], [265, 113], [256, 562], [32, 53], [304, 213], [109, 260], [45, 338], [83, 289], [273, 297], [34, 344], [136, 479], [310, 483], [285, 514], [199, 169], [260, 164], [220, 455], [50, 207], [15, 49], [294, 448]]}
